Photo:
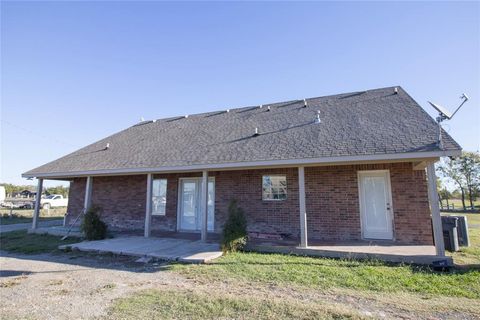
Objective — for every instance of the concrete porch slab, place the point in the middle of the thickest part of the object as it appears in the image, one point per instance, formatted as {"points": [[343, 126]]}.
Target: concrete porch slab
{"points": [[424, 255], [159, 248]]}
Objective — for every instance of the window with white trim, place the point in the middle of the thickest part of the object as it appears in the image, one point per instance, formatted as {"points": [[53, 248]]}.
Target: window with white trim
{"points": [[159, 197], [274, 187]]}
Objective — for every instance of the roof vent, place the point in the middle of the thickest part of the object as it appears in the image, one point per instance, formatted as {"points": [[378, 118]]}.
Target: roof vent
{"points": [[317, 119], [228, 110], [268, 108], [107, 146], [395, 90], [261, 106], [142, 119], [186, 116], [256, 132], [305, 103], [154, 120]]}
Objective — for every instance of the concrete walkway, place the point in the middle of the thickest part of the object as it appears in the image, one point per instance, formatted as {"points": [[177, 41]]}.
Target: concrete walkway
{"points": [[24, 226], [157, 248]]}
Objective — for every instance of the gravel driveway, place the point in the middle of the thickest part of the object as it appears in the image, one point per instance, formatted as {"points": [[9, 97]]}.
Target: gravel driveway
{"points": [[73, 286]]}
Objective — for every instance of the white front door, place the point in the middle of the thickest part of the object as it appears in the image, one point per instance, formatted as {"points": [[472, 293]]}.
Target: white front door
{"points": [[189, 208], [376, 204]]}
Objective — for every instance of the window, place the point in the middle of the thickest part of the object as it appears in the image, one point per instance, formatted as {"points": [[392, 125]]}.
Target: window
{"points": [[274, 188], [159, 197]]}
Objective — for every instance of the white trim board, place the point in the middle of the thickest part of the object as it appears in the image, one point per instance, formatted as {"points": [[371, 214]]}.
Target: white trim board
{"points": [[397, 157]]}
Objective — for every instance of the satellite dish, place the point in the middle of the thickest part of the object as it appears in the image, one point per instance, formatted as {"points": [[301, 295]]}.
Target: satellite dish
{"points": [[444, 114], [443, 111]]}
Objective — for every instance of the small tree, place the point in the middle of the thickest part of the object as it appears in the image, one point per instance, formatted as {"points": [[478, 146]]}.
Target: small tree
{"points": [[235, 229], [92, 226]]}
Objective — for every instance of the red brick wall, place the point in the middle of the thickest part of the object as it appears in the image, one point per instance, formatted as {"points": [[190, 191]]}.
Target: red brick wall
{"points": [[121, 198], [333, 211], [331, 200], [76, 195]]}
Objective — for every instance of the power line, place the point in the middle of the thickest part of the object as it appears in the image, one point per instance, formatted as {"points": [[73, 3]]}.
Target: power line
{"points": [[36, 134]]}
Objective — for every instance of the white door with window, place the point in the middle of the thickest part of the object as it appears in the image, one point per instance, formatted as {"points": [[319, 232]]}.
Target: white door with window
{"points": [[190, 209], [376, 204]]}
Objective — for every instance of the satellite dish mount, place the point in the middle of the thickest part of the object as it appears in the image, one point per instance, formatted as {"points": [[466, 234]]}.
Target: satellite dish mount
{"points": [[444, 114]]}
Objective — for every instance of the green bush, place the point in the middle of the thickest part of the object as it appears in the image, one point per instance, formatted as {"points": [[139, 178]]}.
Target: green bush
{"points": [[235, 229], [92, 226]]}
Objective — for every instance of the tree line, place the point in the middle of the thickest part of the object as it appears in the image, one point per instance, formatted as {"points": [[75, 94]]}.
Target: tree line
{"points": [[464, 173]]}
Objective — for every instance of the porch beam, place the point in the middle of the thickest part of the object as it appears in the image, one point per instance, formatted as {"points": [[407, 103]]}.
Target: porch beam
{"points": [[36, 211], [88, 193], [420, 165], [435, 210], [204, 204], [148, 206], [303, 210]]}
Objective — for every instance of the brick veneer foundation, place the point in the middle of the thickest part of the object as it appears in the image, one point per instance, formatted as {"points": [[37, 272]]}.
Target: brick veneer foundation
{"points": [[331, 199]]}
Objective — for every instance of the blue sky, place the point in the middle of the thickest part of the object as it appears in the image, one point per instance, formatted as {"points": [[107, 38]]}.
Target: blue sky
{"points": [[75, 72]]}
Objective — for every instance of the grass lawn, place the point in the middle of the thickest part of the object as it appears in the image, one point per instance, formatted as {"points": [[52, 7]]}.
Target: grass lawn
{"points": [[458, 203], [14, 219], [25, 215], [156, 304], [372, 276], [320, 273], [23, 242]]}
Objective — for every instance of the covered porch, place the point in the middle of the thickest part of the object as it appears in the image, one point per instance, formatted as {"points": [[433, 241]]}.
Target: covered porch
{"points": [[298, 208]]}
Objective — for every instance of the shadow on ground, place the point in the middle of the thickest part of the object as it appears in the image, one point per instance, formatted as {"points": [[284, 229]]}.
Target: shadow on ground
{"points": [[87, 260]]}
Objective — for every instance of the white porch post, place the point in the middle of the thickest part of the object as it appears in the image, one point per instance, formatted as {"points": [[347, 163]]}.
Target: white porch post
{"points": [[435, 210], [38, 197], [88, 193], [204, 204], [148, 206], [303, 210]]}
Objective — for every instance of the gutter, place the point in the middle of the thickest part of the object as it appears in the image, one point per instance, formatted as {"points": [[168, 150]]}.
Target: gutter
{"points": [[345, 160]]}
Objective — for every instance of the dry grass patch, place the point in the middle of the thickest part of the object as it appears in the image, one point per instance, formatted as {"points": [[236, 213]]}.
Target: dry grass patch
{"points": [[12, 282], [157, 304]]}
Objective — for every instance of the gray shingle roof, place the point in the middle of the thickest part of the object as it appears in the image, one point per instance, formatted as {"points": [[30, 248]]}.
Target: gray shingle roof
{"points": [[352, 124]]}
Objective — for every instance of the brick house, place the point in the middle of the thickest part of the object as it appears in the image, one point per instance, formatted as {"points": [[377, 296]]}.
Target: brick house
{"points": [[346, 167]]}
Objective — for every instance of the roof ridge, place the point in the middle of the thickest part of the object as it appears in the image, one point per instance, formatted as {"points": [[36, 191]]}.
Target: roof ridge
{"points": [[253, 107]]}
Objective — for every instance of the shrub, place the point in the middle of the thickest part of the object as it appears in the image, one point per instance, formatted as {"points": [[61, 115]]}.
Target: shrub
{"points": [[235, 229], [92, 226]]}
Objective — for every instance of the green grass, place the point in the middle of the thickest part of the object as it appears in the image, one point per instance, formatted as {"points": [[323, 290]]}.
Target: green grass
{"points": [[371, 276], [156, 304], [323, 273], [458, 203], [14, 219], [22, 242]]}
